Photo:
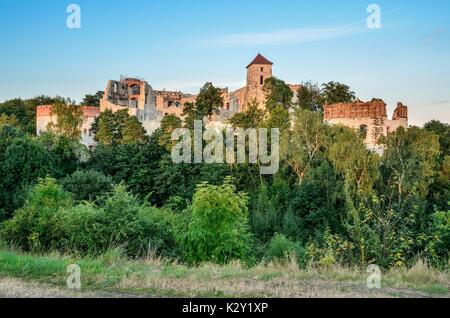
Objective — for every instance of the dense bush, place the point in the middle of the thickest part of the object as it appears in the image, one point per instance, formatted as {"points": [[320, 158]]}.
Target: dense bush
{"points": [[281, 249], [24, 161], [218, 228], [37, 225], [50, 221], [87, 185]]}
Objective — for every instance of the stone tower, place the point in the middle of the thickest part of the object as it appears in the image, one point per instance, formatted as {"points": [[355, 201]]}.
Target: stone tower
{"points": [[258, 71]]}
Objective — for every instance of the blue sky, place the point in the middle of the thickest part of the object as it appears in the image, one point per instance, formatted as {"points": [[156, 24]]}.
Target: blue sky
{"points": [[180, 44]]}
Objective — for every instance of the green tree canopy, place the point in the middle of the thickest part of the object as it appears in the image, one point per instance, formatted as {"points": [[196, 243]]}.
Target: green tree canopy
{"points": [[277, 93], [310, 97], [218, 229], [252, 117], [69, 119], [118, 128], [93, 100], [334, 92]]}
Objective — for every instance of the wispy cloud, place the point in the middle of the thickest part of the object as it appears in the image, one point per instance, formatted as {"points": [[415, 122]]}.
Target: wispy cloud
{"points": [[284, 37], [441, 102]]}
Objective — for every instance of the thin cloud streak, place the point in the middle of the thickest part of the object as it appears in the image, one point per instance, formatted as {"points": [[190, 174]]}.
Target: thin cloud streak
{"points": [[284, 37]]}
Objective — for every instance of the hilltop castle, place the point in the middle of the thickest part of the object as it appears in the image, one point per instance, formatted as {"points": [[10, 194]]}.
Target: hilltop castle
{"points": [[150, 106]]}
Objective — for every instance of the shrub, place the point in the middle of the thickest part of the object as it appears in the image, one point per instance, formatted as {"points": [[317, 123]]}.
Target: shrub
{"points": [[81, 227], [37, 226], [281, 250], [24, 161], [218, 229], [439, 239], [87, 185], [119, 222], [158, 231]]}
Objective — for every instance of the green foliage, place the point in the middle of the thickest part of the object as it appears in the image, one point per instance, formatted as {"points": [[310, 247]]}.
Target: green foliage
{"points": [[443, 131], [8, 120], [118, 128], [168, 124], [334, 92], [136, 165], [310, 97], [67, 154], [87, 185], [209, 100], [410, 161], [36, 226], [24, 111], [277, 93], [304, 144], [333, 202], [438, 243], [252, 117], [352, 159], [69, 119], [282, 250], [217, 230], [23, 162], [329, 250], [93, 100]]}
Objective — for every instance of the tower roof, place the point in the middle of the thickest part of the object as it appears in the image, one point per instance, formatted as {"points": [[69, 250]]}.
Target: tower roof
{"points": [[260, 60]]}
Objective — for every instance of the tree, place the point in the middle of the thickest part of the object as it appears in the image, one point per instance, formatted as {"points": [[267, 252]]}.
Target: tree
{"points": [[334, 92], [118, 128], [277, 93], [8, 120], [410, 161], [217, 230], [24, 161], [310, 97], [69, 119], [87, 185], [67, 154], [34, 226], [305, 143], [168, 124], [278, 118], [352, 159], [252, 117], [135, 164], [93, 100], [25, 110], [209, 101], [133, 131], [443, 131]]}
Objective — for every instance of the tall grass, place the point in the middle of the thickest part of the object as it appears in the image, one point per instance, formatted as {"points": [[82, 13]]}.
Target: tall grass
{"points": [[153, 276]]}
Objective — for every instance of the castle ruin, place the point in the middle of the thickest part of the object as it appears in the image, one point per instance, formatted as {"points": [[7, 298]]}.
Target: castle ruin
{"points": [[150, 106]]}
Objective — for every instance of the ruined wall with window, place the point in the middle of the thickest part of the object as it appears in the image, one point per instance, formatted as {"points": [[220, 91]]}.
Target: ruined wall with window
{"points": [[45, 117], [368, 118]]}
